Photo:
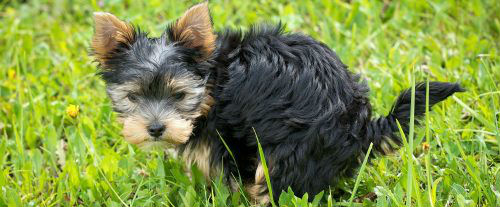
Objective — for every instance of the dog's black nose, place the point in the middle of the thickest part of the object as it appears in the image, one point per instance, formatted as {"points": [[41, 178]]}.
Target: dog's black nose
{"points": [[156, 130]]}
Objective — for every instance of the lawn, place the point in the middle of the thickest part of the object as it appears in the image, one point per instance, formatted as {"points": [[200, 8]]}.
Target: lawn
{"points": [[60, 144]]}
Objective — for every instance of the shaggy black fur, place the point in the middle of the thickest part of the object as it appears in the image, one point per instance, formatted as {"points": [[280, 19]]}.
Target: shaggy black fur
{"points": [[312, 116]]}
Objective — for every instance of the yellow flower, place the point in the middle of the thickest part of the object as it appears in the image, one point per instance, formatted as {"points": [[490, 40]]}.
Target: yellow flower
{"points": [[72, 110], [11, 73], [10, 11], [425, 146]]}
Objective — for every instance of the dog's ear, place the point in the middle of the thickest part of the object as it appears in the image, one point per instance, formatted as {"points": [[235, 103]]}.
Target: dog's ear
{"points": [[194, 29], [109, 33]]}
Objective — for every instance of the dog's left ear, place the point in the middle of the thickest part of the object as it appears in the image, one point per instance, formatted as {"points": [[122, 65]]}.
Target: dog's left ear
{"points": [[194, 30], [110, 32]]}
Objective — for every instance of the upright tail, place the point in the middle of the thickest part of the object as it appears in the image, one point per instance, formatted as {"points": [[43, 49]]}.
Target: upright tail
{"points": [[384, 131]]}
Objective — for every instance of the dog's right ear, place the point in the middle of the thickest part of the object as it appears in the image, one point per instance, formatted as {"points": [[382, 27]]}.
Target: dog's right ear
{"points": [[109, 33], [194, 29]]}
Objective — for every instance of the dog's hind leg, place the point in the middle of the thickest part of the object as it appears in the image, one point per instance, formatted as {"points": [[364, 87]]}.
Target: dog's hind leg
{"points": [[305, 168], [258, 191]]}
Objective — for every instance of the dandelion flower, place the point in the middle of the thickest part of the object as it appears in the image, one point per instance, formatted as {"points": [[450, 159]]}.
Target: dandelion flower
{"points": [[72, 110]]}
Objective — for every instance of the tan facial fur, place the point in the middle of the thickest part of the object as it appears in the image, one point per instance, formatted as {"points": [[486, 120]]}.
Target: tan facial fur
{"points": [[178, 130], [134, 130]]}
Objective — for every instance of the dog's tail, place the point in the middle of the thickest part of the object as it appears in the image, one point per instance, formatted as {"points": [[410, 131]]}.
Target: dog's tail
{"points": [[384, 131]]}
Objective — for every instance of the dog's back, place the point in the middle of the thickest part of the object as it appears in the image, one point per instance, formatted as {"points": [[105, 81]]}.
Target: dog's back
{"points": [[307, 109], [312, 116]]}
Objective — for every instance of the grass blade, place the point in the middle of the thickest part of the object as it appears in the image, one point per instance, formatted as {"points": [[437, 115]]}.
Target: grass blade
{"points": [[266, 171], [234, 160], [360, 174], [409, 148], [428, 141]]}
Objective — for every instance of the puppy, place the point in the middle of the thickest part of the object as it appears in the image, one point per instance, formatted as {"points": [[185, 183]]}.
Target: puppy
{"points": [[197, 91]]}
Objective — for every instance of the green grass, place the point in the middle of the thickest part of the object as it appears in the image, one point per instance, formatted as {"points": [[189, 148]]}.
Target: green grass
{"points": [[48, 158]]}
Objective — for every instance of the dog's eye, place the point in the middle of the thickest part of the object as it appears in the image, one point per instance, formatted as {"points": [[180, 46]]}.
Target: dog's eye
{"points": [[179, 96], [132, 97]]}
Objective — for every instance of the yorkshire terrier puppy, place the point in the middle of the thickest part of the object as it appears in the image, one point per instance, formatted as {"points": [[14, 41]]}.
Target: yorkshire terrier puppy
{"points": [[192, 87]]}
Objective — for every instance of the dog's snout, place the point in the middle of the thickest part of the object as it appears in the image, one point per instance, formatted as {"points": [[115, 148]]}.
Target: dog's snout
{"points": [[156, 129]]}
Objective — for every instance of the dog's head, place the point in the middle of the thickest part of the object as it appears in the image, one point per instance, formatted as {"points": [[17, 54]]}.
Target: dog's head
{"points": [[157, 85]]}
